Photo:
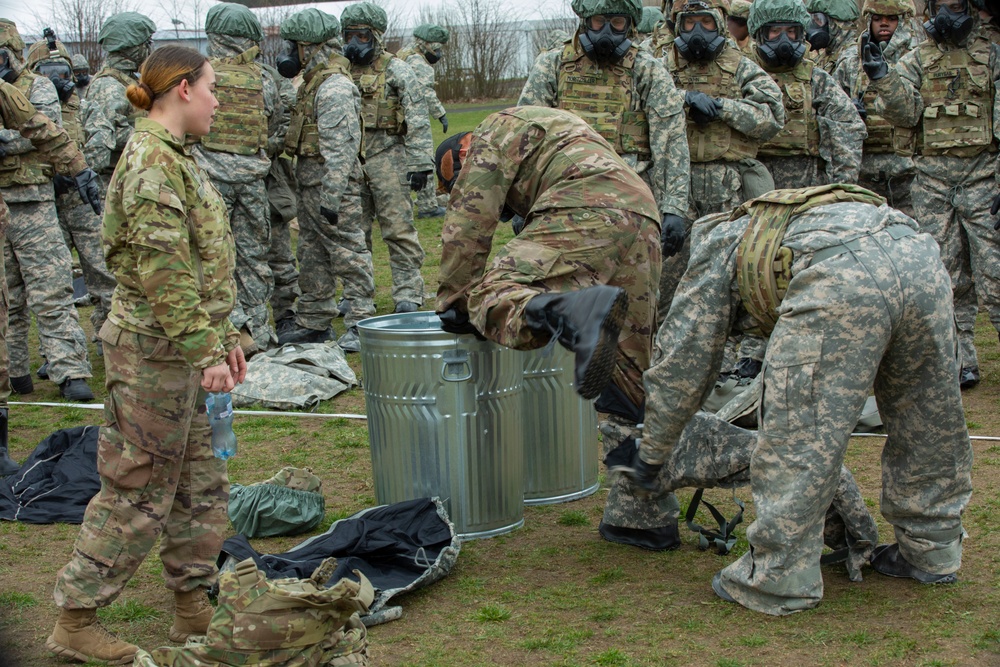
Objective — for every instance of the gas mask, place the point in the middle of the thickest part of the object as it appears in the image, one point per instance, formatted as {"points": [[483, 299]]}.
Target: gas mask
{"points": [[782, 52], [359, 46], [818, 32], [82, 79], [433, 56], [61, 76], [607, 44], [947, 25], [8, 70], [288, 62], [699, 44]]}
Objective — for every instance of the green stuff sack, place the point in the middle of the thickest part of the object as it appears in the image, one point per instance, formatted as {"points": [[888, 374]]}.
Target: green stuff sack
{"points": [[289, 503]]}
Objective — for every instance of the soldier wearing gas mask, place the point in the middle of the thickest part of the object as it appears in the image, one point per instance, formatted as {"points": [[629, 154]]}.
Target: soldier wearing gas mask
{"points": [[887, 161], [81, 74], [325, 135], [397, 138], [944, 89], [822, 138], [627, 96], [39, 266], [833, 29], [81, 227]]}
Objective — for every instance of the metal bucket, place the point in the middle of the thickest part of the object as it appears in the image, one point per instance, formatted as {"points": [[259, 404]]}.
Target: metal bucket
{"points": [[560, 431], [444, 420]]}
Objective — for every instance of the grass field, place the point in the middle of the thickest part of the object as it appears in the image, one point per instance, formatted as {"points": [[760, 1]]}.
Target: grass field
{"points": [[553, 593]]}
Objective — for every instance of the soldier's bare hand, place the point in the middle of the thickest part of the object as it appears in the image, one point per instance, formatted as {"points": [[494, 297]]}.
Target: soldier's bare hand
{"points": [[218, 378], [237, 364]]}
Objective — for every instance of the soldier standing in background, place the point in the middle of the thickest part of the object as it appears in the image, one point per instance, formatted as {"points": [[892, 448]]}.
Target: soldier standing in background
{"points": [[325, 134], [62, 154], [628, 97], [234, 154], [38, 263], [428, 45], [833, 29], [81, 227], [945, 90], [397, 136], [887, 162], [739, 10], [81, 74]]}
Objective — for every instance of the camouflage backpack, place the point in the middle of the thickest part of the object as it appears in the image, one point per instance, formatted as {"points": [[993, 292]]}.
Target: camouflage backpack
{"points": [[286, 622]]}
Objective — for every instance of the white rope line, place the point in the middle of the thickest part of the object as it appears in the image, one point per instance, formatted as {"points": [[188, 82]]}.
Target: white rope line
{"points": [[253, 413]]}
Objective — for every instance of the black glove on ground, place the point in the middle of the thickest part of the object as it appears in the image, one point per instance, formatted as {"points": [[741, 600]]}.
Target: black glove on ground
{"points": [[872, 60], [417, 179], [673, 231], [88, 184], [457, 322], [330, 216], [703, 108]]}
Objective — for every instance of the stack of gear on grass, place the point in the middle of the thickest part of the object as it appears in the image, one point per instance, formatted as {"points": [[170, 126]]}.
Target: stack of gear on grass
{"points": [[832, 31], [944, 90], [81, 227], [278, 623], [38, 263], [325, 136], [427, 48], [295, 377], [235, 156]]}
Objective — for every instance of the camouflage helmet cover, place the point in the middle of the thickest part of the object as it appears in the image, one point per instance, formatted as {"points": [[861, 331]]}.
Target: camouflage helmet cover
{"points": [[10, 37], [125, 30], [694, 6], [763, 12], [229, 18], [39, 51], [587, 8], [739, 9], [650, 17], [842, 10], [367, 14], [80, 61], [431, 33], [900, 8], [310, 26]]}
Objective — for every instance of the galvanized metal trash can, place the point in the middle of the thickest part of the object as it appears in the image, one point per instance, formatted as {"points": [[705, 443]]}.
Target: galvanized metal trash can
{"points": [[560, 431], [444, 419]]}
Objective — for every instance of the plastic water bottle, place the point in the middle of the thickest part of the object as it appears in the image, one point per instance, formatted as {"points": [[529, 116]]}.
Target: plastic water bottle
{"points": [[220, 416]]}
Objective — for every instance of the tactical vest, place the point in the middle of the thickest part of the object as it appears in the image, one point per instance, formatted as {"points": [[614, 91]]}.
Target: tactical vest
{"points": [[763, 265], [716, 78], [303, 133], [240, 125], [71, 120], [380, 106], [800, 135], [957, 91], [133, 113], [29, 168], [604, 97]]}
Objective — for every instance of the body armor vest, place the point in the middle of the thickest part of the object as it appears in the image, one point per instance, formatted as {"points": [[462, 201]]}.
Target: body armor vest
{"points": [[240, 125], [800, 135], [380, 107], [133, 113], [71, 120], [29, 168], [716, 78], [604, 97], [303, 133], [957, 91], [763, 265]]}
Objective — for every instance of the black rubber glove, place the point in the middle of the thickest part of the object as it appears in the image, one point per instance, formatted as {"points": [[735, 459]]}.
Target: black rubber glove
{"points": [[88, 184], [444, 122], [330, 216], [872, 60], [860, 106], [673, 231], [457, 322], [517, 223], [642, 475], [703, 108], [63, 184], [417, 179], [993, 211]]}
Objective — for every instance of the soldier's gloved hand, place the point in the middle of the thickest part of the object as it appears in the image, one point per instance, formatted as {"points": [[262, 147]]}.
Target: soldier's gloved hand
{"points": [[703, 108], [88, 184], [860, 106], [642, 475], [673, 231], [993, 211], [444, 122], [331, 216], [872, 60], [517, 223], [417, 179], [62, 184], [457, 322]]}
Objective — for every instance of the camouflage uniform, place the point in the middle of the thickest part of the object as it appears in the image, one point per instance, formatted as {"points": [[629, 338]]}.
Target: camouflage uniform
{"points": [[842, 16], [81, 227], [415, 56], [327, 142], [397, 142], [235, 157], [955, 176], [875, 310], [887, 162], [38, 263], [171, 250]]}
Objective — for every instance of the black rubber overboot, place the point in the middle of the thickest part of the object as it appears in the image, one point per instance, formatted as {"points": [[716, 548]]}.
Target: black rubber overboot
{"points": [[888, 561], [664, 538], [7, 465], [586, 322]]}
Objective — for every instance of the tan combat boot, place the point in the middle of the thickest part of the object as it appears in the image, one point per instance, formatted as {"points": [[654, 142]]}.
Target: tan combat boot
{"points": [[191, 616], [80, 636]]}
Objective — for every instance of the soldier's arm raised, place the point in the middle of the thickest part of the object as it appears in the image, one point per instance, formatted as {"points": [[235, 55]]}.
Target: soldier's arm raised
{"points": [[899, 100], [760, 114], [44, 135]]}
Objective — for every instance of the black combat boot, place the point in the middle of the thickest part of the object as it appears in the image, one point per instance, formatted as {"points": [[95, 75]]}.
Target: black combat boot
{"points": [[587, 323], [300, 335], [7, 465]]}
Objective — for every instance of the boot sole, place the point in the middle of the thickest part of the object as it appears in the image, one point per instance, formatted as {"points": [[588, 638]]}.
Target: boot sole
{"points": [[602, 361], [67, 652]]}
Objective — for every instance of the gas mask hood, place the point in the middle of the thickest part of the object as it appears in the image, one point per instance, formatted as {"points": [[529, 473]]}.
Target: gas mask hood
{"points": [[606, 44], [699, 44], [356, 49], [949, 26]]}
